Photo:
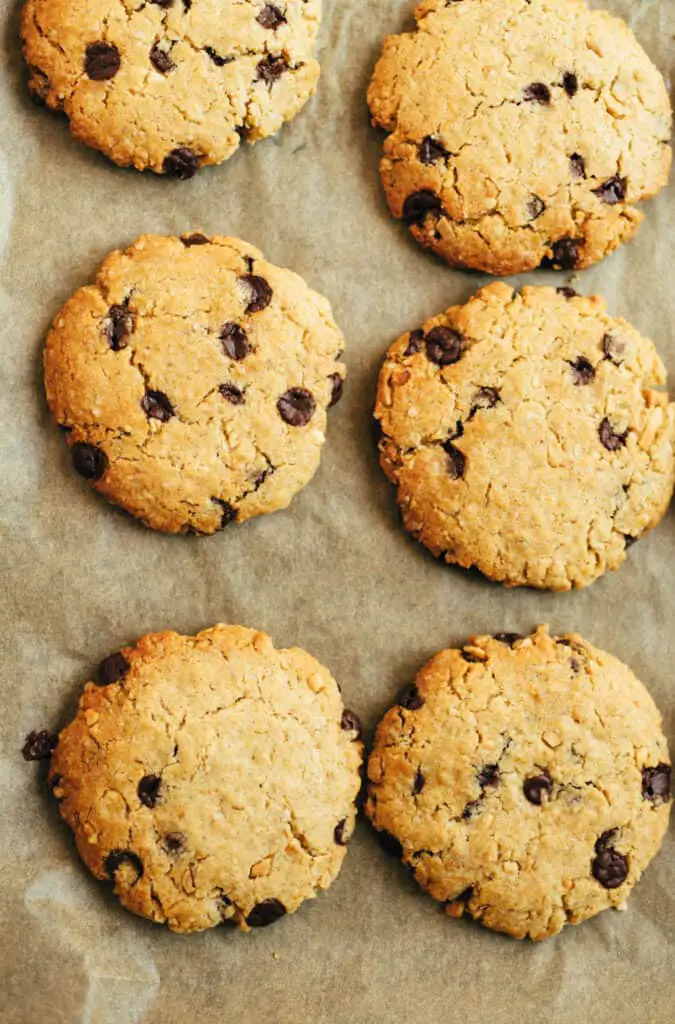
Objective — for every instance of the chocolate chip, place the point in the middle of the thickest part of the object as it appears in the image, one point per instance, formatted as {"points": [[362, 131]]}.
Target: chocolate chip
{"points": [[296, 407], [235, 342], [612, 191], [473, 659], [565, 254], [611, 440], [419, 204], [181, 163], [418, 784], [112, 669], [148, 790], [629, 541], [444, 346], [196, 239], [414, 343], [431, 151], [610, 868], [157, 406], [488, 776], [508, 638], [120, 324], [485, 398], [219, 61], [38, 746], [537, 93], [232, 393], [656, 783], [456, 461], [350, 722], [568, 293], [89, 461], [265, 913], [606, 839], [161, 60], [538, 789], [470, 809], [535, 207], [116, 858], [337, 385], [174, 842], [229, 512], [261, 293], [613, 349], [578, 165], [339, 833], [390, 844], [271, 17], [411, 698], [570, 83], [583, 371], [102, 61], [271, 68]]}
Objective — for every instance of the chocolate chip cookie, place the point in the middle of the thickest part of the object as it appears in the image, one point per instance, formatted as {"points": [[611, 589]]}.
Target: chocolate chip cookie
{"points": [[520, 134], [172, 85], [525, 781], [525, 437], [192, 381], [211, 778]]}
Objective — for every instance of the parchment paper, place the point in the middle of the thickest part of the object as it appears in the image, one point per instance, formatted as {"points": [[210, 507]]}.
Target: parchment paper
{"points": [[334, 574]]}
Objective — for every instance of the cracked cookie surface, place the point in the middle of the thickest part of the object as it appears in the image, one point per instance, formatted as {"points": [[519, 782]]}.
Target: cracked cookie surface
{"points": [[193, 380], [172, 85], [522, 132], [525, 781], [211, 778], [525, 437]]}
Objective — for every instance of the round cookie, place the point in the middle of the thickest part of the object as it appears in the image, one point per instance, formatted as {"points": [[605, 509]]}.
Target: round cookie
{"points": [[525, 438], [211, 778], [520, 135], [172, 85], [525, 781], [193, 380]]}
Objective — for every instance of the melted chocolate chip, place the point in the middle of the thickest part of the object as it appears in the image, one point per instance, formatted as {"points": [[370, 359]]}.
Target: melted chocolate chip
{"points": [[261, 293], [535, 207], [570, 83], [656, 783], [229, 512], [116, 858], [157, 406], [470, 809], [337, 386], [390, 844], [612, 191], [456, 461], [89, 461], [613, 349], [583, 371], [610, 439], [488, 776], [181, 163], [265, 913], [217, 59], [538, 789], [418, 783], [565, 254], [610, 868], [419, 204], [271, 17], [161, 60], [296, 407], [578, 165], [350, 722], [232, 393], [568, 293], [174, 842], [606, 839], [235, 341], [339, 833], [444, 346], [271, 68], [508, 638], [102, 61], [38, 746], [414, 343], [196, 239], [431, 151], [411, 698], [148, 790], [537, 93], [120, 324], [112, 669], [485, 398]]}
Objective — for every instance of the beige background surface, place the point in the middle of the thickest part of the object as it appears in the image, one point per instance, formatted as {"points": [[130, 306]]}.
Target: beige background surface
{"points": [[333, 574]]}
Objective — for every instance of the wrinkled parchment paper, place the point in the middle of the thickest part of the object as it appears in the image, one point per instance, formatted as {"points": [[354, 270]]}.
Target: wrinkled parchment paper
{"points": [[334, 574]]}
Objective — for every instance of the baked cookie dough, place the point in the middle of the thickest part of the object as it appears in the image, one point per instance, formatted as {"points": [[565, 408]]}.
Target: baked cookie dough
{"points": [[172, 85], [525, 781], [525, 437], [521, 133], [211, 778], [193, 380]]}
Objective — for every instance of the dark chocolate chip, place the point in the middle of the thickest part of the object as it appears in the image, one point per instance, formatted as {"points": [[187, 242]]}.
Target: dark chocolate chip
{"points": [[444, 346], [610, 439], [565, 254], [612, 191], [271, 17], [261, 293], [570, 83], [538, 789], [219, 61], [271, 68], [181, 163], [485, 398], [656, 783], [196, 239], [161, 60], [229, 512], [89, 461], [613, 349], [38, 746], [578, 165], [265, 913], [431, 151], [112, 669], [116, 858], [537, 93], [456, 461], [418, 784], [337, 386], [350, 722], [606, 839], [535, 207], [339, 833], [157, 406], [235, 342], [414, 343], [411, 698], [583, 371], [174, 842], [102, 61], [488, 776], [296, 407], [148, 790], [470, 809], [232, 393], [390, 844], [419, 204], [120, 324], [610, 868], [508, 638], [568, 293]]}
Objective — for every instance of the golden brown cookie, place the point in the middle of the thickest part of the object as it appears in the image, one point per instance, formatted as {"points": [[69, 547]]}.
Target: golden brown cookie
{"points": [[211, 778], [521, 134], [525, 780], [525, 437], [193, 380]]}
